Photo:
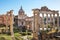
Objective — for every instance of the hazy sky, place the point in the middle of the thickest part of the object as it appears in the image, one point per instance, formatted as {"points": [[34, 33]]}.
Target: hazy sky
{"points": [[28, 5]]}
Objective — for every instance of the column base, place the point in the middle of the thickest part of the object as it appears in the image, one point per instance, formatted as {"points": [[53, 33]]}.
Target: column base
{"points": [[35, 36]]}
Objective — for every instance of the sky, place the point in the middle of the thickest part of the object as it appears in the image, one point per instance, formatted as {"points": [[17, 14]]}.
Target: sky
{"points": [[27, 5]]}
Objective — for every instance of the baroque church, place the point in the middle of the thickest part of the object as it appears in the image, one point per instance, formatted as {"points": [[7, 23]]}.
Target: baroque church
{"points": [[22, 20]]}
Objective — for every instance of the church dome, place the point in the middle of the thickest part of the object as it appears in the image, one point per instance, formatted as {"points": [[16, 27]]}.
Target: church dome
{"points": [[21, 10]]}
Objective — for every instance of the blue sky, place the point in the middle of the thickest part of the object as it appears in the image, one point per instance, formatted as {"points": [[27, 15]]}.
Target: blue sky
{"points": [[28, 5]]}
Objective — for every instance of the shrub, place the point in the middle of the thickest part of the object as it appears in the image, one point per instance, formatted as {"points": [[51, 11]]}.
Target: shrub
{"points": [[2, 38], [48, 26], [16, 30], [2, 25], [8, 33], [29, 30], [23, 33], [29, 33], [5, 37], [18, 38], [17, 34], [30, 37]]}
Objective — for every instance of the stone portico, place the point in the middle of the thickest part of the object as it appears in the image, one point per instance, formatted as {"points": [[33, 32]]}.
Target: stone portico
{"points": [[44, 11], [50, 16]]}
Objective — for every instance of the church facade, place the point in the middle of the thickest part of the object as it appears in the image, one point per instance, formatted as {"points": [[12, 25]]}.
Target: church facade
{"points": [[23, 20]]}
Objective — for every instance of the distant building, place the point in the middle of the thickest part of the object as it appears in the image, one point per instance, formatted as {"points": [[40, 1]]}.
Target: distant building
{"points": [[23, 20], [4, 18]]}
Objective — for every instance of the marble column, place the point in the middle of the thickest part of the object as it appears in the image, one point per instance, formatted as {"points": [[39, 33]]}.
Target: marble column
{"points": [[47, 20], [7, 22], [40, 22], [50, 19], [57, 20], [36, 25], [43, 20], [53, 20]]}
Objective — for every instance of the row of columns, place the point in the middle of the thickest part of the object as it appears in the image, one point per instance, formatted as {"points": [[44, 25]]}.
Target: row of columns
{"points": [[36, 13], [52, 20]]}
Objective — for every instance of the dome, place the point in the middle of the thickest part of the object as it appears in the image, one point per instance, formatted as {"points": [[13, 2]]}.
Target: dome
{"points": [[21, 10]]}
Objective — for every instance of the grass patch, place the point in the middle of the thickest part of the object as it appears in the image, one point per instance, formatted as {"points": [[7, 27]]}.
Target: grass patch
{"points": [[5, 37], [8, 37]]}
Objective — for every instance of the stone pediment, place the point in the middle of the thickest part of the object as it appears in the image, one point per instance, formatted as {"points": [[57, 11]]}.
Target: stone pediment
{"points": [[44, 8]]}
